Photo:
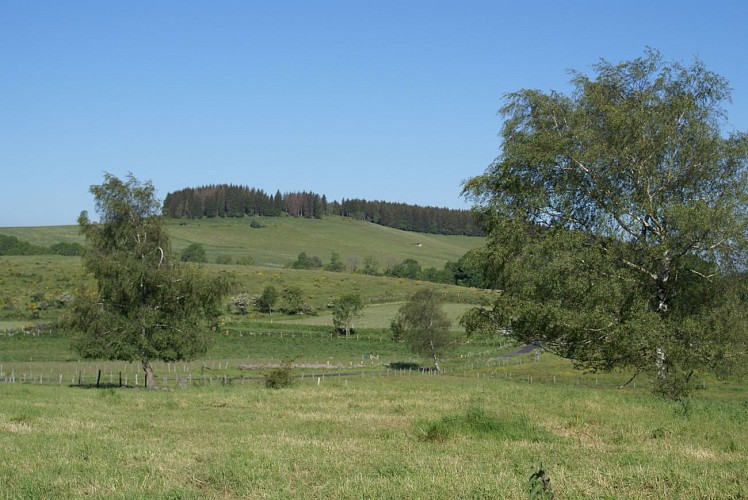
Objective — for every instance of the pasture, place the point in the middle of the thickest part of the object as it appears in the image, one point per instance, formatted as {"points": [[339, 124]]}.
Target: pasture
{"points": [[352, 426], [281, 239], [410, 436]]}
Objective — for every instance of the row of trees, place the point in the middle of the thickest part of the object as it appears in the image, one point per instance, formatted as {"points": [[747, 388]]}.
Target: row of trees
{"points": [[470, 270], [10, 245], [415, 218], [226, 200], [238, 201]]}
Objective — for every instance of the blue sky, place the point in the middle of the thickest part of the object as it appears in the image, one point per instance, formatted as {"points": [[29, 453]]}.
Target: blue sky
{"points": [[378, 100]]}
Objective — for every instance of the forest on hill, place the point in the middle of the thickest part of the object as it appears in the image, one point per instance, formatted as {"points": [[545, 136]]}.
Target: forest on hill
{"points": [[226, 200]]}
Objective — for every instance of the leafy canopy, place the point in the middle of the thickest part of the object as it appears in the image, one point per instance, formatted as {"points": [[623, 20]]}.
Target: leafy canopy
{"points": [[424, 326], [146, 305], [617, 219], [345, 309]]}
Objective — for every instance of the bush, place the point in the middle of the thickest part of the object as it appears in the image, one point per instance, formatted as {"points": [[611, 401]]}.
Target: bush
{"points": [[223, 259], [194, 253], [245, 260], [72, 249], [404, 365], [280, 377]]}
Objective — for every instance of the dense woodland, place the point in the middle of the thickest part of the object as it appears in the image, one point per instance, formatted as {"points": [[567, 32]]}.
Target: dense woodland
{"points": [[239, 201]]}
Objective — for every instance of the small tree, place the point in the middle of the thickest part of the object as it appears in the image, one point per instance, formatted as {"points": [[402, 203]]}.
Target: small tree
{"points": [[371, 265], [241, 302], [424, 326], [336, 263], [303, 261], [344, 310], [266, 301], [409, 268], [293, 298], [146, 306]]}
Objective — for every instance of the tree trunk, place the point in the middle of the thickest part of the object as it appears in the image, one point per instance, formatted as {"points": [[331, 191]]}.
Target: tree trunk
{"points": [[433, 355], [150, 382], [663, 297]]}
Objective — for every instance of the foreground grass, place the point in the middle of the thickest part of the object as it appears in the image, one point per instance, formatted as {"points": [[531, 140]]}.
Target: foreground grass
{"points": [[365, 438]]}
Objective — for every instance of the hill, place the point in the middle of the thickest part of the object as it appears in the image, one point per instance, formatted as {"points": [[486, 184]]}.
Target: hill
{"points": [[280, 240]]}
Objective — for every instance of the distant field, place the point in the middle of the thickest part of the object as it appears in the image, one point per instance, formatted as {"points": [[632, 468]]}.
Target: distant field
{"points": [[281, 240], [29, 285]]}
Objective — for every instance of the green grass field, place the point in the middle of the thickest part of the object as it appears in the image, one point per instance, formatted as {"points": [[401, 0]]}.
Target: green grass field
{"points": [[365, 437], [281, 240], [351, 426]]}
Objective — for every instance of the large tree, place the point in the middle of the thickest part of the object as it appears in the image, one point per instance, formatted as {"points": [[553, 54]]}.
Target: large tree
{"points": [[146, 306], [617, 220], [424, 326]]}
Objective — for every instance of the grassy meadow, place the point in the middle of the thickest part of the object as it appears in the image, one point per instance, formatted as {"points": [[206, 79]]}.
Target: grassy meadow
{"points": [[351, 426], [281, 239], [409, 436]]}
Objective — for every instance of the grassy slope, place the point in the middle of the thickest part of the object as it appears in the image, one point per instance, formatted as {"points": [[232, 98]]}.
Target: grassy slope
{"points": [[283, 238], [272, 247]]}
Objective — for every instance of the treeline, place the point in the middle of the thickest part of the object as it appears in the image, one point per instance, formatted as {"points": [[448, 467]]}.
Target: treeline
{"points": [[473, 269], [226, 200], [10, 245], [238, 201], [432, 220]]}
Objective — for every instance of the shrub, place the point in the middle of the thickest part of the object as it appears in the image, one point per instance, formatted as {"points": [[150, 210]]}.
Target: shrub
{"points": [[539, 485], [223, 259], [194, 253], [71, 249], [245, 260], [280, 377], [404, 365]]}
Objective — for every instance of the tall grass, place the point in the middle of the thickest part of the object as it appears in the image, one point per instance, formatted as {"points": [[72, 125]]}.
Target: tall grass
{"points": [[360, 438]]}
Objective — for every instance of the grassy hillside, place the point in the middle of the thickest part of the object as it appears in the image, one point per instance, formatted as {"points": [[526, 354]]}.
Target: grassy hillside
{"points": [[281, 240]]}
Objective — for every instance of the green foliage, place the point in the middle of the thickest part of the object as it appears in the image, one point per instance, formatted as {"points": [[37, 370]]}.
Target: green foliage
{"points": [[305, 262], [371, 266], [245, 260], [423, 325], [336, 264], [539, 485], [409, 268], [281, 377], [345, 309], [194, 253], [224, 259], [617, 221], [293, 300], [146, 307], [266, 302], [241, 302], [10, 245], [67, 248]]}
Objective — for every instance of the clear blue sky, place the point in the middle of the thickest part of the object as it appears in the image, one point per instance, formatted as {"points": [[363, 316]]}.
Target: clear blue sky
{"points": [[391, 100]]}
